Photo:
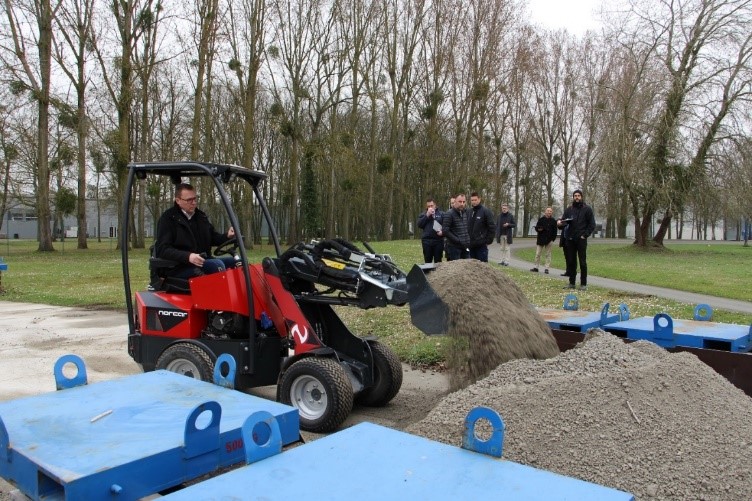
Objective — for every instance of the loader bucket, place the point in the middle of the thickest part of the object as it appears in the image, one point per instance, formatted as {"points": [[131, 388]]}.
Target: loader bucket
{"points": [[427, 311]]}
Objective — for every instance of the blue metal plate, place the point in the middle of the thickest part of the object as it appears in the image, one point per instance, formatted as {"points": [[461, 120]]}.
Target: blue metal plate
{"points": [[668, 333], [368, 461], [131, 436], [575, 321]]}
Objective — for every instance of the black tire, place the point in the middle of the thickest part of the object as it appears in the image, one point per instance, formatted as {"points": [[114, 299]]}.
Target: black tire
{"points": [[321, 391], [387, 375], [187, 359]]}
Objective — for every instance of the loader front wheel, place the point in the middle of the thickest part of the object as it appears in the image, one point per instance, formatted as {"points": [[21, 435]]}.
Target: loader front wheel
{"points": [[387, 377], [321, 391], [188, 360]]}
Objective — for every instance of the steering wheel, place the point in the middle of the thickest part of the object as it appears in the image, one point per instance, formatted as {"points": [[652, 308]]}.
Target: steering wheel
{"points": [[229, 246]]}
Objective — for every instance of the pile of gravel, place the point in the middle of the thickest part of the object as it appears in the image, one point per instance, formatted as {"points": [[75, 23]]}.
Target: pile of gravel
{"points": [[629, 416], [490, 321]]}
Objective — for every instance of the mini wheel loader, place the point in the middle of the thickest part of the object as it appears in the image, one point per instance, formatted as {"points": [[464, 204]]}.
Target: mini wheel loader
{"points": [[275, 318]]}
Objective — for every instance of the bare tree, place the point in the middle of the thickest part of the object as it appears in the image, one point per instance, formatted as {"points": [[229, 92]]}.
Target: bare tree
{"points": [[74, 22], [38, 82], [207, 16], [403, 25], [705, 48], [248, 40]]}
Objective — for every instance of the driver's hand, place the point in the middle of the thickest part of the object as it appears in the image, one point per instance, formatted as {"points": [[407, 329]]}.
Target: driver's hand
{"points": [[231, 232], [196, 260]]}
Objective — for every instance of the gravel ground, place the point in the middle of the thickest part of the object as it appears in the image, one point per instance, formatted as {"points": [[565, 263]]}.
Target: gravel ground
{"points": [[629, 416]]}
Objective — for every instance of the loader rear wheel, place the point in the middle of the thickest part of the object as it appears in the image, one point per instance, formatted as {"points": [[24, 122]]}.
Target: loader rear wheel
{"points": [[387, 377], [321, 391], [188, 360]]}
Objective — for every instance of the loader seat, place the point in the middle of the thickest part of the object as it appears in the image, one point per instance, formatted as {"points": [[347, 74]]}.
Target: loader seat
{"points": [[159, 280]]}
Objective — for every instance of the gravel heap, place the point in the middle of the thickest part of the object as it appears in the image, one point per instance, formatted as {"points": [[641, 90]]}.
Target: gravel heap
{"points": [[490, 321], [629, 416]]}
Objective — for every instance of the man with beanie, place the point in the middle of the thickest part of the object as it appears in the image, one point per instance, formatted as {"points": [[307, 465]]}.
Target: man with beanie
{"points": [[579, 223]]}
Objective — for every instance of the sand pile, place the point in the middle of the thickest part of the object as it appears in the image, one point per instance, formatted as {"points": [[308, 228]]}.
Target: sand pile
{"points": [[490, 320], [629, 416]]}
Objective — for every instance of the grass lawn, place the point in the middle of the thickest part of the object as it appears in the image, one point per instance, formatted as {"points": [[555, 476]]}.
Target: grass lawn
{"points": [[721, 269], [93, 278]]}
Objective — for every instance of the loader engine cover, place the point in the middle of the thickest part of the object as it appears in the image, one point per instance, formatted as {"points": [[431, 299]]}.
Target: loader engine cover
{"points": [[169, 315]]}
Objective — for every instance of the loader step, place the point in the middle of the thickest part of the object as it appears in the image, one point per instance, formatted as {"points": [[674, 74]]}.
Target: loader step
{"points": [[126, 438]]}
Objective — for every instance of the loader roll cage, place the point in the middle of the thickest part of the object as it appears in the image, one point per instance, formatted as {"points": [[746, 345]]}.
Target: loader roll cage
{"points": [[220, 175]]}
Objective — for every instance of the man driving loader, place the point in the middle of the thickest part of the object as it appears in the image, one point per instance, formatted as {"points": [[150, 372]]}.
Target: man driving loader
{"points": [[185, 235]]}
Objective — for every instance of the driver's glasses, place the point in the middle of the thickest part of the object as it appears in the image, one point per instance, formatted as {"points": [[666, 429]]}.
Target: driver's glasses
{"points": [[191, 200]]}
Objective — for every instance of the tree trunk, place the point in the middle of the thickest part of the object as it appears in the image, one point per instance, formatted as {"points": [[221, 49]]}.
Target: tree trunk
{"points": [[663, 228], [43, 136]]}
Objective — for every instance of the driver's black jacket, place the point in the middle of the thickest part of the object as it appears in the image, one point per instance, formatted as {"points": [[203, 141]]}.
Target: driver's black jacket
{"points": [[178, 237]]}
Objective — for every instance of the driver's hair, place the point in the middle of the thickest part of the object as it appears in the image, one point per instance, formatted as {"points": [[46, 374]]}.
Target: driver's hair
{"points": [[179, 189]]}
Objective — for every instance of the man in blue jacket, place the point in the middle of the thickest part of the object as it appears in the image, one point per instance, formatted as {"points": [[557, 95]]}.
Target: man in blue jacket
{"points": [[432, 238], [578, 222]]}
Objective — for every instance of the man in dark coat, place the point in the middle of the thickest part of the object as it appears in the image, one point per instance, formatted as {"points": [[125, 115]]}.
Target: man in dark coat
{"points": [[481, 228], [454, 229], [432, 238], [185, 235], [504, 233], [579, 223], [546, 231]]}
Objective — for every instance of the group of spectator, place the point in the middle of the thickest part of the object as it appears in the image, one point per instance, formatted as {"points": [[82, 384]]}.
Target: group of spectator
{"points": [[466, 233]]}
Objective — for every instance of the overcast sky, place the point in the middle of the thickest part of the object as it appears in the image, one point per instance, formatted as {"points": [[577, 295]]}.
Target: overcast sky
{"points": [[574, 15]]}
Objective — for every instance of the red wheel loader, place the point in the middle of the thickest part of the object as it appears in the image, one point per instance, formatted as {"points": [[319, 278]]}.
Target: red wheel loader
{"points": [[275, 318]]}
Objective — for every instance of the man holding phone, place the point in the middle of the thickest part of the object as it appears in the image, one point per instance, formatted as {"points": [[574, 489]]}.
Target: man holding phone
{"points": [[432, 238]]}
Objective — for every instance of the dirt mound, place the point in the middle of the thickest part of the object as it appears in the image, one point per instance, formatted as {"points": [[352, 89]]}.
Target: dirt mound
{"points": [[490, 320], [629, 416]]}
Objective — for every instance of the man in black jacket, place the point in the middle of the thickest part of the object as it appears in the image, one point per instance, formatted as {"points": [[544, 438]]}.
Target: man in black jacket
{"points": [[480, 228], [432, 238], [579, 223], [454, 228], [546, 231], [185, 235]]}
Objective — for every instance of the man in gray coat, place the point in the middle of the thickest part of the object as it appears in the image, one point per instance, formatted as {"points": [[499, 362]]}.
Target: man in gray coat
{"points": [[504, 233]]}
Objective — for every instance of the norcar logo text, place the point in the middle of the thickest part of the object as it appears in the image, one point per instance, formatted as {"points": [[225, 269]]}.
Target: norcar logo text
{"points": [[168, 313]]}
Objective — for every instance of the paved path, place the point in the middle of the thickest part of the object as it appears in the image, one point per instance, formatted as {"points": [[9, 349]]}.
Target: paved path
{"points": [[681, 296]]}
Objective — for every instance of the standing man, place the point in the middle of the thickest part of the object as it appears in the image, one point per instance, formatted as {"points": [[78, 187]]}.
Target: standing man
{"points": [[546, 231], [481, 228], [185, 235], [579, 223], [432, 238], [446, 244], [455, 230], [504, 233]]}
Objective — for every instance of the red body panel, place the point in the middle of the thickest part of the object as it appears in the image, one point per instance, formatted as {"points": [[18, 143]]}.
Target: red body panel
{"points": [[184, 316], [224, 291], [169, 315], [284, 311]]}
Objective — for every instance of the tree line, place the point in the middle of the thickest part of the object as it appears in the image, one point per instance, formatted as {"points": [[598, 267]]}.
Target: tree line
{"points": [[360, 110]]}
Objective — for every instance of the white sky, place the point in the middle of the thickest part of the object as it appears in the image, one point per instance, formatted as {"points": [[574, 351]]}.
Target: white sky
{"points": [[574, 15]]}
